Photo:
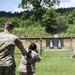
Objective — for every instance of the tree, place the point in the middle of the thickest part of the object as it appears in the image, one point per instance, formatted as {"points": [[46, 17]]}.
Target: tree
{"points": [[38, 3], [62, 24], [71, 17], [38, 6], [49, 20], [2, 21], [24, 16]]}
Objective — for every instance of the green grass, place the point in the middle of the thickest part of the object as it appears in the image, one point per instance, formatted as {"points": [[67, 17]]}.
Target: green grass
{"points": [[53, 63]]}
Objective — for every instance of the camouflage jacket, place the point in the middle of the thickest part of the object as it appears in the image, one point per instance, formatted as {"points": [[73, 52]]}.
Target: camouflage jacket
{"points": [[28, 65], [7, 48]]}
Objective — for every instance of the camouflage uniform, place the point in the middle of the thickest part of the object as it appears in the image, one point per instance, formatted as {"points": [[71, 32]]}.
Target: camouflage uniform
{"points": [[27, 67], [7, 48]]}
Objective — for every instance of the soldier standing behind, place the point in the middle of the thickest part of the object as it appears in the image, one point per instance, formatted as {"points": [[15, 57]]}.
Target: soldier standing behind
{"points": [[8, 41], [27, 67]]}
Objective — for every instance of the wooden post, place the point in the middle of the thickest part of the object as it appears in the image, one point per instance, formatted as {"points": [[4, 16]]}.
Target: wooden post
{"points": [[40, 46], [71, 47], [74, 53]]}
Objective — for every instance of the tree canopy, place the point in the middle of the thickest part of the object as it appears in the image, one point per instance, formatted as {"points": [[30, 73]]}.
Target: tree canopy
{"points": [[38, 3]]}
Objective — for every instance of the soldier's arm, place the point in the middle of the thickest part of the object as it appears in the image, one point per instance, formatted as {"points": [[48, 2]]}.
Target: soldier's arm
{"points": [[35, 56], [19, 44]]}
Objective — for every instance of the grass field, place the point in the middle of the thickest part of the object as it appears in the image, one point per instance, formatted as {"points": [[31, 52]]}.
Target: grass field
{"points": [[53, 63]]}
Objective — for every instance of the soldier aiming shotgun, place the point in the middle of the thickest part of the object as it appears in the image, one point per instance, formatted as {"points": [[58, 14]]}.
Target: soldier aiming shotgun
{"points": [[28, 65]]}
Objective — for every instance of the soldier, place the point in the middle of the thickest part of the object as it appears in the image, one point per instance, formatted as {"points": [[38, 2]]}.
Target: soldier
{"points": [[27, 67], [8, 41]]}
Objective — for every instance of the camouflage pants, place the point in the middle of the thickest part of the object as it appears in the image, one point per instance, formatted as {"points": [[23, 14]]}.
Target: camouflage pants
{"points": [[4, 70], [22, 73]]}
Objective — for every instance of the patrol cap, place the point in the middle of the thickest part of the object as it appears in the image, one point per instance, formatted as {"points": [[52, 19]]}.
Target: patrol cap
{"points": [[32, 46], [9, 25]]}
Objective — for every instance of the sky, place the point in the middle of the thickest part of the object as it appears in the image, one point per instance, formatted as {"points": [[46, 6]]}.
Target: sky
{"points": [[67, 3], [12, 5]]}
